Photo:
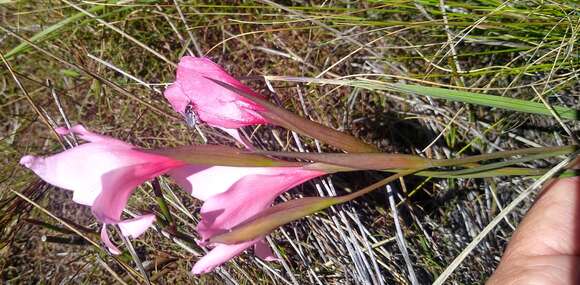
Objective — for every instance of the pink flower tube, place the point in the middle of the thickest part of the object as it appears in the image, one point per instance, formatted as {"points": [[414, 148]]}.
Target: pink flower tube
{"points": [[238, 194], [103, 174]]}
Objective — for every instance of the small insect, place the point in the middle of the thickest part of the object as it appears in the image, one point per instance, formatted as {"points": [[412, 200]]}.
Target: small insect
{"points": [[191, 118]]}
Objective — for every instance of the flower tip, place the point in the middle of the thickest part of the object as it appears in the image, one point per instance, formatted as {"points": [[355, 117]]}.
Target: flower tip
{"points": [[137, 226], [204, 242], [202, 268], [197, 271], [28, 161], [272, 259]]}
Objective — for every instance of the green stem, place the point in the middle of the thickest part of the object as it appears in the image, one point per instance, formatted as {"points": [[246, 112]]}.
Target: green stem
{"points": [[545, 151], [161, 202]]}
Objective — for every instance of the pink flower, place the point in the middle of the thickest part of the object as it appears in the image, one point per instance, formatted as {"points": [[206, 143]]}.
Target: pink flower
{"points": [[213, 104], [103, 174], [238, 194]]}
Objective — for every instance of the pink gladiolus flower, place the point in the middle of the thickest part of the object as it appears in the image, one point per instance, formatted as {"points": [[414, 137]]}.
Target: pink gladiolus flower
{"points": [[238, 194], [213, 104], [102, 173]]}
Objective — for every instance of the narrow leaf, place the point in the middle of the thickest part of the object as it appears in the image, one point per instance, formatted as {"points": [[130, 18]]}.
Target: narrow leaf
{"points": [[501, 102], [385, 161], [46, 33]]}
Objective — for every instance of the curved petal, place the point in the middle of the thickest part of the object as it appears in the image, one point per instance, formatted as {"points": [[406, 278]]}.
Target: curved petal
{"points": [[219, 255], [247, 197], [89, 136], [108, 243], [119, 184], [235, 133], [137, 226]]}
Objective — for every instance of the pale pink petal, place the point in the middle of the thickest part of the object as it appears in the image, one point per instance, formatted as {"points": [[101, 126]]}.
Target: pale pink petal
{"points": [[110, 245], [235, 133], [263, 251], [81, 132], [247, 197], [219, 255], [135, 227], [203, 182], [102, 173]]}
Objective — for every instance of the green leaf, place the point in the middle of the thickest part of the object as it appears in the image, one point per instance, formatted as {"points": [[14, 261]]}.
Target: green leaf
{"points": [[44, 34], [70, 73], [501, 102]]}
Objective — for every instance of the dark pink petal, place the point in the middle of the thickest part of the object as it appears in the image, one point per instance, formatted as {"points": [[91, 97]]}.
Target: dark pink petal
{"points": [[213, 104], [176, 97]]}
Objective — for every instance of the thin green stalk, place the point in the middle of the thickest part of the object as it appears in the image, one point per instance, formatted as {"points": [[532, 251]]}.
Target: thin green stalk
{"points": [[165, 212]]}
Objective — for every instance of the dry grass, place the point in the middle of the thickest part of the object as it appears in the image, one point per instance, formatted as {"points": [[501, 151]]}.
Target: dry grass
{"points": [[485, 46]]}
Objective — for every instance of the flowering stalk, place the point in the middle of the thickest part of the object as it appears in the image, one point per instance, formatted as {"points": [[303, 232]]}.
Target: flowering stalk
{"points": [[267, 221]]}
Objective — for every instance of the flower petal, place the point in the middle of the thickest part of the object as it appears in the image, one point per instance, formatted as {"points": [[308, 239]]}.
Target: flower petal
{"points": [[176, 97], [102, 173], [213, 104], [203, 182], [119, 184], [110, 245], [247, 197], [219, 255], [235, 133], [89, 136], [137, 226]]}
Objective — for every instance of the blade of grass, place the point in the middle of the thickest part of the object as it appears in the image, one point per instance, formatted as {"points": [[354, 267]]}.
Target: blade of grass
{"points": [[467, 250], [494, 101], [501, 102]]}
